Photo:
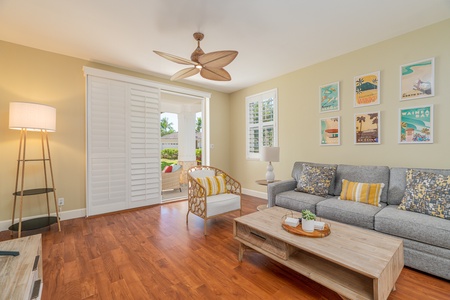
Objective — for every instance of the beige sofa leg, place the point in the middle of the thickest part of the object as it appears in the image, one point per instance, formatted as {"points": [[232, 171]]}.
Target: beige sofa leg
{"points": [[204, 226], [187, 219]]}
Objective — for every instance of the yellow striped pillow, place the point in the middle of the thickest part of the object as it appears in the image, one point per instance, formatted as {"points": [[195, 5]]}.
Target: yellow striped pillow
{"points": [[369, 193], [213, 185]]}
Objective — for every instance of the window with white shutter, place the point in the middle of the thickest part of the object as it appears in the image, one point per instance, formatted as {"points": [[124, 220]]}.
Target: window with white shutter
{"points": [[262, 123]]}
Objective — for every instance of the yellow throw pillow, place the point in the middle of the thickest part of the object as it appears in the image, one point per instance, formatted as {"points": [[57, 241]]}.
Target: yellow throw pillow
{"points": [[369, 193], [213, 185]]}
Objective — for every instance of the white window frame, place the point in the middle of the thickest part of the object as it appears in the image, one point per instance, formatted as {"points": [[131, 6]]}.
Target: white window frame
{"points": [[260, 124]]}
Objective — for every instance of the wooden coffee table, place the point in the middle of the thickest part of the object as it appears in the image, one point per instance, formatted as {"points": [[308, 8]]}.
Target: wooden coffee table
{"points": [[354, 262]]}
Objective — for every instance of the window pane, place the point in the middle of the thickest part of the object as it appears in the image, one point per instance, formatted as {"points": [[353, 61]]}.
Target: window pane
{"points": [[267, 110], [253, 111], [268, 135], [253, 140]]}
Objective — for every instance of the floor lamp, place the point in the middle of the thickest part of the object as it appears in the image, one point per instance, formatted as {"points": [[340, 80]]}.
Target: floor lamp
{"points": [[27, 117]]}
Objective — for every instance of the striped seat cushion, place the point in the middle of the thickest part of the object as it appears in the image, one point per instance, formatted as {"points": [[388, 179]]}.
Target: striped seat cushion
{"points": [[213, 185], [369, 193]]}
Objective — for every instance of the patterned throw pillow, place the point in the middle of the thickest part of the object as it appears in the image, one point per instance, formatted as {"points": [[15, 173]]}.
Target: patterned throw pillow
{"points": [[315, 180], [369, 193], [427, 193], [213, 185]]}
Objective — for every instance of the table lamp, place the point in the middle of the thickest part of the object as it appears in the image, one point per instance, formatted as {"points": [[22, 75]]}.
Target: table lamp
{"points": [[270, 154]]}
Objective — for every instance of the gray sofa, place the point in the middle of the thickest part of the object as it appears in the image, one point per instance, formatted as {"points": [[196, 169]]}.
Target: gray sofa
{"points": [[427, 247]]}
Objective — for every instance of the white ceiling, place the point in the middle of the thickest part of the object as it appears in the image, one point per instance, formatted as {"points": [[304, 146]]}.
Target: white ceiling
{"points": [[273, 37]]}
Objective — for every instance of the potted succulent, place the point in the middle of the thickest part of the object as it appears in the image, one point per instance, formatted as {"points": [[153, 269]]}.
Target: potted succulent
{"points": [[308, 220]]}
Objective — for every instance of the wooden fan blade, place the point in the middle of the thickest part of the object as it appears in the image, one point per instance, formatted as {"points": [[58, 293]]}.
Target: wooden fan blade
{"points": [[217, 74], [218, 59], [176, 59], [185, 73]]}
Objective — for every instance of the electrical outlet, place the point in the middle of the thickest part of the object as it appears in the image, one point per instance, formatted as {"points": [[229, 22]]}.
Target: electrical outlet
{"points": [[60, 201]]}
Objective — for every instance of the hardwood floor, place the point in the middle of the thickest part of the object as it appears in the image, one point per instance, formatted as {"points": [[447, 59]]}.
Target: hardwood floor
{"points": [[151, 254]]}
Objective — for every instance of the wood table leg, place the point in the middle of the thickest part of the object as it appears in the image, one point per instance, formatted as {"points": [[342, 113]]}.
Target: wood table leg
{"points": [[241, 251]]}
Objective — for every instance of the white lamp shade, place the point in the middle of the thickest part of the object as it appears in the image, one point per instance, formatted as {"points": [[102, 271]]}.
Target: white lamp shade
{"points": [[32, 116], [270, 154]]}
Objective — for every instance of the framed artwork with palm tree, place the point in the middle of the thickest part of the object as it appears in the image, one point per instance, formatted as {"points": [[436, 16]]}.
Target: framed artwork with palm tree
{"points": [[367, 128], [416, 125], [367, 89]]}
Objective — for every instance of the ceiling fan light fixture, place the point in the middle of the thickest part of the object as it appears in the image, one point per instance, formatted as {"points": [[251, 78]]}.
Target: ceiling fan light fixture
{"points": [[209, 65]]}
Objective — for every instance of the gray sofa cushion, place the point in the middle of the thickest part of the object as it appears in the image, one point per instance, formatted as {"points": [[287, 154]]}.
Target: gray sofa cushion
{"points": [[349, 212], [298, 169], [298, 201], [370, 174], [397, 182], [432, 230]]}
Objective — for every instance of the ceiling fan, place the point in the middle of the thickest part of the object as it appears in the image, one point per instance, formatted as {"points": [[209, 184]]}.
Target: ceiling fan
{"points": [[210, 65]]}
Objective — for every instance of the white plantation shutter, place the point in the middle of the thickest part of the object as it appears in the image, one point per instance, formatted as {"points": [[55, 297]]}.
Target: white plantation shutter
{"points": [[261, 121], [144, 144], [107, 159], [122, 146]]}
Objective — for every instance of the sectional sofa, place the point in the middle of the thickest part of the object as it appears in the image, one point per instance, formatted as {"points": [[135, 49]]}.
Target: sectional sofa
{"points": [[426, 238]]}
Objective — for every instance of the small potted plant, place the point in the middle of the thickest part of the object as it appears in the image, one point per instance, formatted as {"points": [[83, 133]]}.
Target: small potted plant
{"points": [[308, 220]]}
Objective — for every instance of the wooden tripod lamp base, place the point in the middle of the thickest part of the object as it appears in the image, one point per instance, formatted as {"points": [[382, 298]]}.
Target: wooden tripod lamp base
{"points": [[33, 117]]}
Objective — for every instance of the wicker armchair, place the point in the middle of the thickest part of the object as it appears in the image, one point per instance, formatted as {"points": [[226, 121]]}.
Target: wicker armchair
{"points": [[207, 207], [171, 181]]}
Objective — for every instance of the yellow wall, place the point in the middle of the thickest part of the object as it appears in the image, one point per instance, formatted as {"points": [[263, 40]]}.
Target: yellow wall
{"points": [[33, 75], [37, 76], [298, 94]]}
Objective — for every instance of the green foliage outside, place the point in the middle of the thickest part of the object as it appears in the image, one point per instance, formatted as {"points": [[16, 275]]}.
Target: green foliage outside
{"points": [[198, 156], [169, 153], [198, 125], [166, 127]]}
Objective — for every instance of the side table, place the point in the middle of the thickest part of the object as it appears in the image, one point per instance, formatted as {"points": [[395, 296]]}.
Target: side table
{"points": [[263, 182]]}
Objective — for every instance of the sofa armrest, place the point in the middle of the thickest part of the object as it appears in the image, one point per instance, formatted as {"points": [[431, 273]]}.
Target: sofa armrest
{"points": [[278, 187]]}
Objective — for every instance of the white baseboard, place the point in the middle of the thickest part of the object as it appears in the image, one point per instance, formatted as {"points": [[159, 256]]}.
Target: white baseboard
{"points": [[255, 193], [64, 215]]}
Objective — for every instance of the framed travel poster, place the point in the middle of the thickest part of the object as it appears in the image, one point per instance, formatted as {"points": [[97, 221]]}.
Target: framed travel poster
{"points": [[330, 134], [329, 97], [417, 79], [367, 128], [416, 125], [367, 89]]}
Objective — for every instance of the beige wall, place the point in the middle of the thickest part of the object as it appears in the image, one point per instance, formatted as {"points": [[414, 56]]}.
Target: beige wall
{"points": [[299, 109], [38, 76]]}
